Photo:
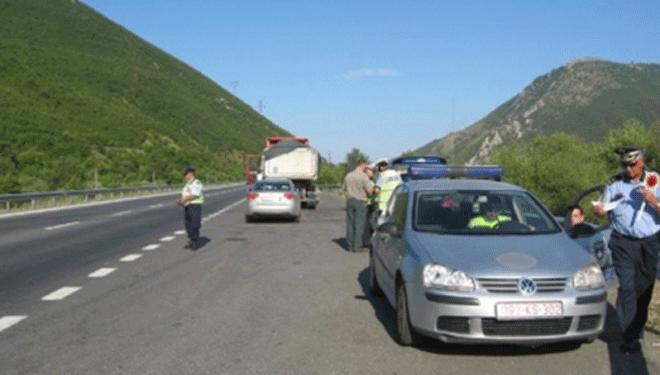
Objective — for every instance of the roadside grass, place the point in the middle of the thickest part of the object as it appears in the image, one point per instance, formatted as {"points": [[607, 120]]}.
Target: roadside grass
{"points": [[653, 323]]}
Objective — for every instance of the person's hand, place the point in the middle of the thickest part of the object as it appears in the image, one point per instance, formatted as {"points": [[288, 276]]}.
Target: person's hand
{"points": [[648, 196], [180, 202], [599, 210]]}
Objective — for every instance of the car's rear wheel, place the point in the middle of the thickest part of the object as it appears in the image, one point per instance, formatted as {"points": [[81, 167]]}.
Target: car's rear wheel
{"points": [[249, 219], [374, 288], [407, 334]]}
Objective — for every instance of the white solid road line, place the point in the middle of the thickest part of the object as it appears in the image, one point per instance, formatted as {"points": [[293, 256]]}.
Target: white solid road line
{"points": [[167, 239], [130, 258], [10, 320], [152, 246], [59, 226], [122, 213], [101, 272], [156, 205], [180, 232], [61, 293]]}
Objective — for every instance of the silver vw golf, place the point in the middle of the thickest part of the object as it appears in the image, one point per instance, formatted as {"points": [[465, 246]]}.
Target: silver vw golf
{"points": [[474, 261]]}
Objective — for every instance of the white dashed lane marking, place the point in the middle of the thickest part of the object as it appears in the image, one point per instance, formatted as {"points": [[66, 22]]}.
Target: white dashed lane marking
{"points": [[156, 205], [101, 272], [151, 247], [180, 232], [10, 320], [122, 213], [59, 226], [167, 239], [61, 293], [130, 258]]}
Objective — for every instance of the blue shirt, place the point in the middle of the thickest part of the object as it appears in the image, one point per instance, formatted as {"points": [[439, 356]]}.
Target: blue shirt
{"points": [[623, 216]]}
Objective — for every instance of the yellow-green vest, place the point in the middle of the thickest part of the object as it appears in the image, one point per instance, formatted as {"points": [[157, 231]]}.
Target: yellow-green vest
{"points": [[186, 191], [481, 222], [389, 179]]}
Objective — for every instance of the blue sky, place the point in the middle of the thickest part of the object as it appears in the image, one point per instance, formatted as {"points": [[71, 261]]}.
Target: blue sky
{"points": [[385, 76]]}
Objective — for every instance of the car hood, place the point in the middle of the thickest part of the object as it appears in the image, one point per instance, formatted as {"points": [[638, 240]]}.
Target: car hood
{"points": [[541, 255]]}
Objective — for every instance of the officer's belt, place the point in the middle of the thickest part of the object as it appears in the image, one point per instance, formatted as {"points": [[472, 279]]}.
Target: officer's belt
{"points": [[616, 234]]}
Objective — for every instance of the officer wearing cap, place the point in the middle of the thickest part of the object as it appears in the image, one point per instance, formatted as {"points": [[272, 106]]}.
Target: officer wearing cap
{"points": [[192, 198], [490, 217], [387, 181], [635, 241]]}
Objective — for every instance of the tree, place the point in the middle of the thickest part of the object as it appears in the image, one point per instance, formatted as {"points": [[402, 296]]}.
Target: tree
{"points": [[353, 157]]}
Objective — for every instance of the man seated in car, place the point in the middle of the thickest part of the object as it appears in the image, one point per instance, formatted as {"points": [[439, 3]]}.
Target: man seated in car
{"points": [[489, 218]]}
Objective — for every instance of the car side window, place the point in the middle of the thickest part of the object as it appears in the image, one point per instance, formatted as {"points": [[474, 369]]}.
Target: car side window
{"points": [[399, 210], [392, 202]]}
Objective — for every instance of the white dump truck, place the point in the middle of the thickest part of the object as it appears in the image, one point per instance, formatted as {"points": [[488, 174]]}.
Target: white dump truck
{"points": [[295, 159]]}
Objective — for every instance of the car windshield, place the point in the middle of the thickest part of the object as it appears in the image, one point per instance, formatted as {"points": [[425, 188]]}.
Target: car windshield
{"points": [[272, 186], [481, 212]]}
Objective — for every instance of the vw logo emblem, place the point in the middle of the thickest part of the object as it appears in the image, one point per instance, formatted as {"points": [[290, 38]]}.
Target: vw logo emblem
{"points": [[527, 286]]}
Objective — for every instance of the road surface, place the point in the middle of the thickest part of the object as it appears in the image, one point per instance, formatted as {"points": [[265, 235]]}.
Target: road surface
{"points": [[93, 297]]}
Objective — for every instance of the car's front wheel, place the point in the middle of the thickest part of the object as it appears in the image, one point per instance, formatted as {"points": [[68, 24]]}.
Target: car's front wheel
{"points": [[407, 334]]}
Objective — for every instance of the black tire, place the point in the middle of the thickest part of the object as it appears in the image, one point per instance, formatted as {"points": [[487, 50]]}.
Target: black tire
{"points": [[296, 219], [374, 288], [303, 205], [249, 219], [407, 334]]}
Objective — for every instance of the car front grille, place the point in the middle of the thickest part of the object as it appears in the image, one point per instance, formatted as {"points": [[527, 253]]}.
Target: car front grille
{"points": [[588, 322], [510, 285], [545, 327], [454, 324]]}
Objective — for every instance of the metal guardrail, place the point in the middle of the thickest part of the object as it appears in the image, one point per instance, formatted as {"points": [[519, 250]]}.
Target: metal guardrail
{"points": [[7, 200]]}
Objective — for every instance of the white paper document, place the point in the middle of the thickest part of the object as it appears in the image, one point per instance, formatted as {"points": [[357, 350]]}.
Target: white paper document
{"points": [[608, 206]]}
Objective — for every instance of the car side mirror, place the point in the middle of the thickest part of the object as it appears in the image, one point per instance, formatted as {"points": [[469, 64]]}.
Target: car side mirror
{"points": [[389, 228], [582, 230]]}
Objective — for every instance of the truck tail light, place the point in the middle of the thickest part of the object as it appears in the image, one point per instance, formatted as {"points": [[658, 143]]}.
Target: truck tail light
{"points": [[252, 196], [289, 196]]}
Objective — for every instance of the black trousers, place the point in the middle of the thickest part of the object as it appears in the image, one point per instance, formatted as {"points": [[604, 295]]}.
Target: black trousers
{"points": [[635, 263], [193, 218]]}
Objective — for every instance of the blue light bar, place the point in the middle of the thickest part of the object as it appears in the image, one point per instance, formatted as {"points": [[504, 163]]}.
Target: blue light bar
{"points": [[419, 160], [429, 172]]}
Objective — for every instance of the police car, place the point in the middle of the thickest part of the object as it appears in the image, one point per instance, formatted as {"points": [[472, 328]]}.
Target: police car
{"points": [[472, 260]]}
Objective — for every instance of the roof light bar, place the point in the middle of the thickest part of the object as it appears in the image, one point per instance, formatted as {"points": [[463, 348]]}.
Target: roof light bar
{"points": [[427, 172]]}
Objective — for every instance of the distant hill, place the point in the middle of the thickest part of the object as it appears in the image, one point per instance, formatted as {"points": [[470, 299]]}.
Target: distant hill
{"points": [[79, 93], [584, 98]]}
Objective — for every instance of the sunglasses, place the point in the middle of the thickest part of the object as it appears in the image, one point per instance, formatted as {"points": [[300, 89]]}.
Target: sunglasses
{"points": [[630, 165]]}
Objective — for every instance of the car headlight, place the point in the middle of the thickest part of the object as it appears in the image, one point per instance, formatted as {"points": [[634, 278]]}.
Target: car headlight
{"points": [[438, 276], [589, 277]]}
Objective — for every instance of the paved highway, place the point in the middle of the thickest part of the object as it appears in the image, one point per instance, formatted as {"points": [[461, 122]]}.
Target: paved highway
{"points": [[263, 298]]}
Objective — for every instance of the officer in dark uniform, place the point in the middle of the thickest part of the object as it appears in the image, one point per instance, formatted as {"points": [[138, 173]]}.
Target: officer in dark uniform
{"points": [[635, 240], [192, 198]]}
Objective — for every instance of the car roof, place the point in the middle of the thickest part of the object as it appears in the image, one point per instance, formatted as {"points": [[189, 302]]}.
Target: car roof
{"points": [[460, 184], [280, 180]]}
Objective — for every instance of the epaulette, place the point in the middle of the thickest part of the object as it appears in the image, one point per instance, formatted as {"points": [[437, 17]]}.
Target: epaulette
{"points": [[617, 177]]}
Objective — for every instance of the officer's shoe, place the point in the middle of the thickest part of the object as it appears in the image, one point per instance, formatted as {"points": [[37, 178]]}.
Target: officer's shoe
{"points": [[193, 245], [189, 245], [631, 347]]}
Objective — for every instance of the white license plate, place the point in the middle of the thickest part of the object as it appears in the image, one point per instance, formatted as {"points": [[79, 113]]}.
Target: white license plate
{"points": [[527, 310]]}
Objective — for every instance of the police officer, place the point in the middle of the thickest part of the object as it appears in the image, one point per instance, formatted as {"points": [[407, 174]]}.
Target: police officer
{"points": [[489, 218], [635, 241], [192, 198], [387, 181], [358, 187]]}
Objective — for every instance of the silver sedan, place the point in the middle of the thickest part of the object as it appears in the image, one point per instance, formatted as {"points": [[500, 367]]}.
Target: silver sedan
{"points": [[473, 261], [273, 198]]}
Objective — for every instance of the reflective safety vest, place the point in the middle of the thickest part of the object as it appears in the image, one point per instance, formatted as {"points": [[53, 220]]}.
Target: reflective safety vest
{"points": [[387, 181], [194, 187], [481, 222]]}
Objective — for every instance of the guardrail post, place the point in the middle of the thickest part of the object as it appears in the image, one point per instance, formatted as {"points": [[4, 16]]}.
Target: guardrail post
{"points": [[8, 205], [32, 203]]}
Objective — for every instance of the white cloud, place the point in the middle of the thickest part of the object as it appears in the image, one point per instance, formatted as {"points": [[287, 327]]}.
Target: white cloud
{"points": [[371, 73]]}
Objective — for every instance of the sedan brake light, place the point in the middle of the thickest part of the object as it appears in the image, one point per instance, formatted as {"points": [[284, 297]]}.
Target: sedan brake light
{"points": [[289, 196], [252, 196]]}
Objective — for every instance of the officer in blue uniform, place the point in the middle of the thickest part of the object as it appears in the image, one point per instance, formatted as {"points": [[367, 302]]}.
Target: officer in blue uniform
{"points": [[192, 198], [635, 241]]}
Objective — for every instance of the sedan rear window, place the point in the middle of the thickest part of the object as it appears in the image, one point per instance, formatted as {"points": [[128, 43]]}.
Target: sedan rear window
{"points": [[481, 212], [272, 186]]}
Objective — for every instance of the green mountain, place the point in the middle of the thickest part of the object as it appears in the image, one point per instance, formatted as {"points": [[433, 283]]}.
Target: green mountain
{"points": [[81, 95], [585, 98]]}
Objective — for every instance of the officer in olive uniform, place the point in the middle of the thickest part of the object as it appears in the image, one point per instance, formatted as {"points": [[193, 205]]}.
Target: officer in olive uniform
{"points": [[635, 241], [192, 198]]}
